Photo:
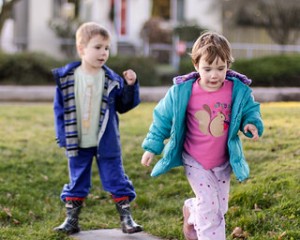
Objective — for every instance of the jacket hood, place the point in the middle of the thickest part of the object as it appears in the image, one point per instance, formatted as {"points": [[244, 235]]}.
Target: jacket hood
{"points": [[230, 74], [65, 70]]}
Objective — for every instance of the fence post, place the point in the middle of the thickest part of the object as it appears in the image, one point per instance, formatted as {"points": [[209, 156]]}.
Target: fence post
{"points": [[175, 58]]}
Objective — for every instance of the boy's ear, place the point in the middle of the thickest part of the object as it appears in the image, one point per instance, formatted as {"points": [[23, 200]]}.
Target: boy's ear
{"points": [[80, 48]]}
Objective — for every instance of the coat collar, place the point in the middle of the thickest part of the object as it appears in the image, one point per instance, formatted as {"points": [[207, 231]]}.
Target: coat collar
{"points": [[230, 74]]}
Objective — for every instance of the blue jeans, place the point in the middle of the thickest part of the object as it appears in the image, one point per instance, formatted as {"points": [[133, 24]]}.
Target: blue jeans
{"points": [[111, 171]]}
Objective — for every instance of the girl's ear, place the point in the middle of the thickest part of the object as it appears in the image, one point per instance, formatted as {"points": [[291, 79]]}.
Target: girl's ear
{"points": [[196, 66]]}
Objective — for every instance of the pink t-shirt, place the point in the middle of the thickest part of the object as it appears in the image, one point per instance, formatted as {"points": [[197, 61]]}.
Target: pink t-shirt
{"points": [[208, 117]]}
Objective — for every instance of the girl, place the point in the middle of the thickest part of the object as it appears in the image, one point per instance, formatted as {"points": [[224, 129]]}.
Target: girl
{"points": [[202, 115]]}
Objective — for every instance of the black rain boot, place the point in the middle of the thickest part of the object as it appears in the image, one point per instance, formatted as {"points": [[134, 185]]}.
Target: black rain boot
{"points": [[70, 225], [127, 223]]}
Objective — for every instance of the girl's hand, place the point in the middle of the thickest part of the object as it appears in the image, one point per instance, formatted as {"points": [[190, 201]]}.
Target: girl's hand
{"points": [[147, 158], [251, 128], [130, 76]]}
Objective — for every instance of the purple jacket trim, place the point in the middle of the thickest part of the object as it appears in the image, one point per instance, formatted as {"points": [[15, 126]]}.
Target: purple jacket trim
{"points": [[229, 74]]}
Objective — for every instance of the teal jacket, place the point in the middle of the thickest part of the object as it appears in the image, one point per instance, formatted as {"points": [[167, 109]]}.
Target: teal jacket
{"points": [[169, 122]]}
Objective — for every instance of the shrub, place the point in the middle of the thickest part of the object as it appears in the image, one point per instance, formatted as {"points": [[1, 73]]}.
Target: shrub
{"points": [[35, 68], [156, 30], [272, 71], [27, 68], [188, 32], [143, 66], [185, 65]]}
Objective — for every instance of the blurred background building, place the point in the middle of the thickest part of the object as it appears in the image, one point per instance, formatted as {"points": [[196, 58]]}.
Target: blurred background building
{"points": [[43, 25], [162, 28]]}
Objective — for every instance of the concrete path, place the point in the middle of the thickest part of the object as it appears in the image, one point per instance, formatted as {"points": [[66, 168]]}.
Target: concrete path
{"points": [[112, 234], [148, 94]]}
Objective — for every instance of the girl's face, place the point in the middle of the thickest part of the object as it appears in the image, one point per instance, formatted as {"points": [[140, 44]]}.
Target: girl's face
{"points": [[212, 76], [95, 54]]}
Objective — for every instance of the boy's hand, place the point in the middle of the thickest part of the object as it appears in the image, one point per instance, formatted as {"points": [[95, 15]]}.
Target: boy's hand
{"points": [[147, 158], [130, 76], [251, 128]]}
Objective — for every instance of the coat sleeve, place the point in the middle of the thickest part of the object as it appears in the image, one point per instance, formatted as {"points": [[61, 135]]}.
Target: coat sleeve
{"points": [[160, 129], [59, 118], [128, 98], [251, 115]]}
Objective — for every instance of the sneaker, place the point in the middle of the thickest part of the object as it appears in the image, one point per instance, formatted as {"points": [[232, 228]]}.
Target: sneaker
{"points": [[188, 229]]}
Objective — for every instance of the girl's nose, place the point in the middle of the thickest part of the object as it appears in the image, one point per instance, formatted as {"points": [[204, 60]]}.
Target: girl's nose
{"points": [[214, 75]]}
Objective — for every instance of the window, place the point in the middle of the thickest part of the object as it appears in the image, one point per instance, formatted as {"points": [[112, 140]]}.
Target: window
{"points": [[58, 7], [161, 8]]}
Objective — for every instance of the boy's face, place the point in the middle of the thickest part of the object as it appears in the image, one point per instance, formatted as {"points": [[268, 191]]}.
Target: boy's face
{"points": [[94, 54], [212, 75]]}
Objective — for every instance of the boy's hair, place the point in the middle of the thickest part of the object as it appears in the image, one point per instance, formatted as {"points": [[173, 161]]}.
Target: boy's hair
{"points": [[212, 45], [88, 30]]}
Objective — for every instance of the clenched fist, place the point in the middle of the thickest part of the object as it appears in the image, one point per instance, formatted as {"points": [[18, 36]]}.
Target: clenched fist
{"points": [[130, 76]]}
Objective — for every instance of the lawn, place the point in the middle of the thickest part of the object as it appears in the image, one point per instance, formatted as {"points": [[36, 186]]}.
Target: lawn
{"points": [[33, 170]]}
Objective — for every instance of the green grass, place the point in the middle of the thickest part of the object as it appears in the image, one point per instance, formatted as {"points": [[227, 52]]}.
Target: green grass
{"points": [[33, 170]]}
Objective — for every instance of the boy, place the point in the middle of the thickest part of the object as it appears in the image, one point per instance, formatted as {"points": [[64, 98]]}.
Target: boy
{"points": [[88, 97]]}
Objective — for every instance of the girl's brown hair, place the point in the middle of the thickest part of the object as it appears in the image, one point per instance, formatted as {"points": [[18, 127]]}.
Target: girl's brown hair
{"points": [[212, 45]]}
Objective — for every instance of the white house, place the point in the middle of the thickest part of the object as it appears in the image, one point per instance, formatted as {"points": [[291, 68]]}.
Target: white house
{"points": [[31, 29]]}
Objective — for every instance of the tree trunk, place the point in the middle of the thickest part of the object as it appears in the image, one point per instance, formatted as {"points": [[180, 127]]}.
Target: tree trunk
{"points": [[6, 12]]}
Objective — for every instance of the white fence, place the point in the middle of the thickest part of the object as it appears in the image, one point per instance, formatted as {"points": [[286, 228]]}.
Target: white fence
{"points": [[250, 50], [240, 50]]}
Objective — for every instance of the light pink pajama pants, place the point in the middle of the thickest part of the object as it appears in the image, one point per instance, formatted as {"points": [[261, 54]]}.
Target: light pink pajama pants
{"points": [[208, 208]]}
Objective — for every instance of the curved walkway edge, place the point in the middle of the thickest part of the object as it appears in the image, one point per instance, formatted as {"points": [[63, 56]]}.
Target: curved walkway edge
{"points": [[112, 234], [148, 94]]}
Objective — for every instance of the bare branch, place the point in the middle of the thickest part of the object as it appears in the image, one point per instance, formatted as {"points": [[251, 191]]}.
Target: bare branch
{"points": [[279, 18]]}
